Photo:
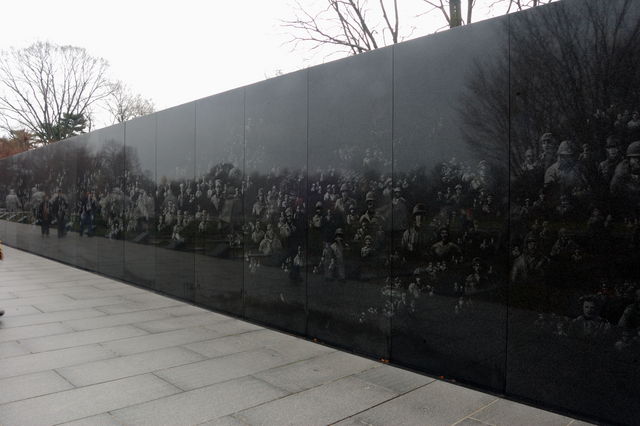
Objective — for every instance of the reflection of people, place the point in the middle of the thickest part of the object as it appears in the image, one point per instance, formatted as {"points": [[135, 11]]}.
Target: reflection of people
{"points": [[88, 210], [12, 201], [44, 215], [337, 251], [59, 206]]}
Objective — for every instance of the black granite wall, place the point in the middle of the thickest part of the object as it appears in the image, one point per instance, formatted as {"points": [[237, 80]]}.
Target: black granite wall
{"points": [[464, 204]]}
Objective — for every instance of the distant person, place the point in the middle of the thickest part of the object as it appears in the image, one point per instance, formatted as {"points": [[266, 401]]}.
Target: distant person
{"points": [[44, 215], [60, 206], [12, 201]]}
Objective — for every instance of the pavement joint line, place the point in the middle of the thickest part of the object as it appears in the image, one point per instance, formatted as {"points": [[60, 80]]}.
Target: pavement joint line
{"points": [[54, 350], [481, 421], [379, 403], [85, 344], [55, 370], [33, 325], [230, 415], [477, 411], [172, 384], [287, 392], [50, 322], [320, 385]]}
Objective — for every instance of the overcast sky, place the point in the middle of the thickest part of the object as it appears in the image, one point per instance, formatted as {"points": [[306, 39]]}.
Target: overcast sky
{"points": [[178, 51]]}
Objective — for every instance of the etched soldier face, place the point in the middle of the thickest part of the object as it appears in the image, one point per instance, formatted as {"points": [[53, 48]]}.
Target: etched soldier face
{"points": [[531, 246], [612, 152], [529, 157], [589, 309]]}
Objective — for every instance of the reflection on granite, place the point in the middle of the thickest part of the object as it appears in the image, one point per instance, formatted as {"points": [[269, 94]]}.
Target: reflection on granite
{"points": [[470, 215]]}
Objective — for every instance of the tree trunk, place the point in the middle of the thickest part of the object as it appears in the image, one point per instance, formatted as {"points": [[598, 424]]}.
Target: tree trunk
{"points": [[455, 13]]}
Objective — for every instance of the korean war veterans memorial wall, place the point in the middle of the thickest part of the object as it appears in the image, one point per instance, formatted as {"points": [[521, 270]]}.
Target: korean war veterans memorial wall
{"points": [[464, 204]]}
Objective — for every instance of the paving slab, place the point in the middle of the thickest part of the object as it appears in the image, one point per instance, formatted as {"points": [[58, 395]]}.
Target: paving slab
{"points": [[42, 318], [31, 363], [238, 342], [99, 420], [79, 304], [394, 378], [14, 311], [81, 338], [113, 320], [9, 349], [30, 331], [507, 413], [201, 405], [31, 385], [322, 405], [176, 323], [221, 369], [438, 403], [78, 403], [160, 340], [185, 365], [130, 306], [224, 421], [178, 311], [85, 292], [314, 372], [132, 365]]}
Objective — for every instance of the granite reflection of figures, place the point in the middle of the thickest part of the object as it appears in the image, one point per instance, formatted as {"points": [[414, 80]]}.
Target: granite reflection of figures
{"points": [[45, 215]]}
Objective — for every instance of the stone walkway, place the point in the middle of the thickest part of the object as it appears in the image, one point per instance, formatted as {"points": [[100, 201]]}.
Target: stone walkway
{"points": [[80, 349]]}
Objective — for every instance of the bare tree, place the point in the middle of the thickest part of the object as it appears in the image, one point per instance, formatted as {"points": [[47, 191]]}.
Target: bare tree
{"points": [[122, 104], [356, 26], [517, 5], [41, 86], [451, 11]]}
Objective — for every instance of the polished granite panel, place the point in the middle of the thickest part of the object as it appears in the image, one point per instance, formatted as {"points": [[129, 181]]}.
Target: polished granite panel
{"points": [[464, 204], [575, 265], [218, 193], [349, 161], [448, 203], [89, 222], [276, 266], [175, 201], [139, 201], [111, 184], [11, 203]]}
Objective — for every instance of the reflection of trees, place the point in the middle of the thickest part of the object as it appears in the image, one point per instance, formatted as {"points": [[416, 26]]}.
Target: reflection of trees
{"points": [[565, 61]]}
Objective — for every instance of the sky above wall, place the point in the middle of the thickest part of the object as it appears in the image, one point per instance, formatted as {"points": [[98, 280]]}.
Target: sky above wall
{"points": [[175, 52]]}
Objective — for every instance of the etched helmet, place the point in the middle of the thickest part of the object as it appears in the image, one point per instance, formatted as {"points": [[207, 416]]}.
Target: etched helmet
{"points": [[566, 148], [634, 149]]}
